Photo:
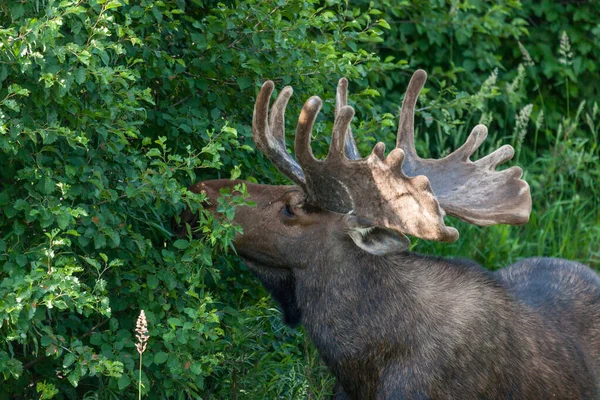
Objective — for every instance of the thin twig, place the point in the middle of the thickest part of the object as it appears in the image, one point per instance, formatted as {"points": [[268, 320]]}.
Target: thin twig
{"points": [[43, 357]]}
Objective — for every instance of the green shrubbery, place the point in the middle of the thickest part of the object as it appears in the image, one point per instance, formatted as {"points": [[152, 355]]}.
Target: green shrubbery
{"points": [[109, 109]]}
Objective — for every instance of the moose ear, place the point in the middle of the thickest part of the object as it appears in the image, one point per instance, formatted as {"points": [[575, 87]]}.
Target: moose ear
{"points": [[374, 239]]}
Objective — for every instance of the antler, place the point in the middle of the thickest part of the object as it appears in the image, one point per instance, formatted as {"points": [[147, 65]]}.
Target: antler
{"points": [[374, 187], [472, 191], [381, 188], [269, 133]]}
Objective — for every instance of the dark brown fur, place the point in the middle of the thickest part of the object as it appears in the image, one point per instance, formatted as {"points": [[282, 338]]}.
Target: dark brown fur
{"points": [[406, 326]]}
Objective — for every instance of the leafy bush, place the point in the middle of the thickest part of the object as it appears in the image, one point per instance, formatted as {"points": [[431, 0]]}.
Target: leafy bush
{"points": [[108, 110]]}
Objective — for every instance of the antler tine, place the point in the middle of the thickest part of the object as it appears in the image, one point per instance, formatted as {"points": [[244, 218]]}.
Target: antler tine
{"points": [[341, 132], [406, 127], [492, 160], [269, 132], [307, 118], [341, 100], [473, 142]]}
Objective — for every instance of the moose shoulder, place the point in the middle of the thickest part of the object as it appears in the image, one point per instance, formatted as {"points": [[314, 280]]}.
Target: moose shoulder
{"points": [[394, 324]]}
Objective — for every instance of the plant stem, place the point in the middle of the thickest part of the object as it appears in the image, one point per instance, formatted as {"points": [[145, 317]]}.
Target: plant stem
{"points": [[568, 105], [140, 379]]}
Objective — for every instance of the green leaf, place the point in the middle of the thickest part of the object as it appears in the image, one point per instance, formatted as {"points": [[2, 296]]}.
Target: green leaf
{"points": [[123, 381], [160, 357], [63, 220], [17, 10], [74, 377], [93, 263], [45, 185], [112, 4], [99, 241], [244, 82], [12, 105], [105, 57], [152, 281], [115, 263], [383, 23], [181, 244], [196, 368], [80, 75], [69, 360], [154, 152]]}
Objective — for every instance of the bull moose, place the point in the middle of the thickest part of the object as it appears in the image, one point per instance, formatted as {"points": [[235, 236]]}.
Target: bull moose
{"points": [[391, 323]]}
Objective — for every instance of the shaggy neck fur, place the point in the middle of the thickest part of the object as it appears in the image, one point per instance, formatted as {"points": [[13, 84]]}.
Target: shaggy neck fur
{"points": [[409, 325]]}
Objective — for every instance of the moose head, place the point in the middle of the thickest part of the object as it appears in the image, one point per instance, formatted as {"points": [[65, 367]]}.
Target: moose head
{"points": [[376, 200]]}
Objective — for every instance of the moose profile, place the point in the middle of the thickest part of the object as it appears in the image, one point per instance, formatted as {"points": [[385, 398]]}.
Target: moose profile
{"points": [[393, 324]]}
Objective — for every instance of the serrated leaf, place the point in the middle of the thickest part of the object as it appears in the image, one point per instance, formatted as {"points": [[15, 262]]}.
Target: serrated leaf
{"points": [[115, 263], [235, 173], [63, 220], [12, 105], [196, 368]]}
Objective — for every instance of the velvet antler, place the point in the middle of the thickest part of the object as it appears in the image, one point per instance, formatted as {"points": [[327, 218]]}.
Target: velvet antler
{"points": [[400, 191], [472, 191]]}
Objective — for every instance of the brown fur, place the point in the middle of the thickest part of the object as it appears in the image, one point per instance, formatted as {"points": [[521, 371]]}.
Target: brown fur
{"points": [[406, 326]]}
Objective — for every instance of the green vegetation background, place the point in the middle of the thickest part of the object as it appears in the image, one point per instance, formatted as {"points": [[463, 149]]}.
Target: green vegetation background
{"points": [[109, 109]]}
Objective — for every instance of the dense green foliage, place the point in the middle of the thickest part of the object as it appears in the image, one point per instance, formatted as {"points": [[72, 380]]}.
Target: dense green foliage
{"points": [[109, 109]]}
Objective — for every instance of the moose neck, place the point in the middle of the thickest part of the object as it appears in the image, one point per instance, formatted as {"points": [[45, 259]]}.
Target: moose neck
{"points": [[397, 307]]}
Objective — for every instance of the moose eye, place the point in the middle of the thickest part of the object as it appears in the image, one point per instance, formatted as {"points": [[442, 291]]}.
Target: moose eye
{"points": [[287, 211]]}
